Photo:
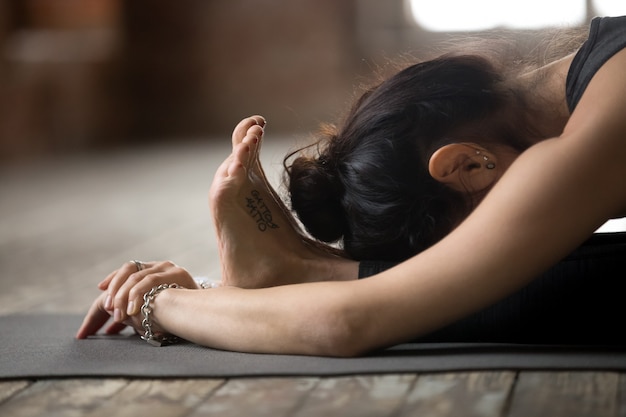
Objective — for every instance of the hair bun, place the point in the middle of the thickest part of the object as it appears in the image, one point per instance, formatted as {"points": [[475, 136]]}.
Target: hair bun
{"points": [[315, 197]]}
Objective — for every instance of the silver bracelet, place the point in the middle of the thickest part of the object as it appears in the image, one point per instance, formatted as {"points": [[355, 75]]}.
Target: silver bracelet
{"points": [[205, 284], [155, 339]]}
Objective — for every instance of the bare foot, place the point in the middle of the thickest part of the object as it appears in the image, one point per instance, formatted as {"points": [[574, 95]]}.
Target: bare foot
{"points": [[260, 243]]}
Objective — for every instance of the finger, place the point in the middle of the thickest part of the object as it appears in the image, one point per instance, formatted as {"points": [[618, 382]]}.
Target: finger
{"points": [[171, 274], [145, 279], [115, 328], [136, 293], [126, 272], [121, 300], [104, 284], [94, 320]]}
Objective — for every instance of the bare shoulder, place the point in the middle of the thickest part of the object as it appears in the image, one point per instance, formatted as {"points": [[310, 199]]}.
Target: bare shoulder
{"points": [[598, 126], [600, 112]]}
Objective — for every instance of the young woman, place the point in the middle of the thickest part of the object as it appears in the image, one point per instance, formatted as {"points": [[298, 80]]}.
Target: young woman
{"points": [[507, 175]]}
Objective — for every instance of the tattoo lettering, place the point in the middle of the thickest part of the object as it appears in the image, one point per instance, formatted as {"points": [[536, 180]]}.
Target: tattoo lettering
{"points": [[260, 212]]}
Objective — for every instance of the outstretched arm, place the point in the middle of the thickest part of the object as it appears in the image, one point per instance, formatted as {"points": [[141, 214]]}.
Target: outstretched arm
{"points": [[550, 200]]}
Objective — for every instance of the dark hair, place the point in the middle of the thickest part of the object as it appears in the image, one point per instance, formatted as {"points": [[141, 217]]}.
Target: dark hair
{"points": [[367, 185]]}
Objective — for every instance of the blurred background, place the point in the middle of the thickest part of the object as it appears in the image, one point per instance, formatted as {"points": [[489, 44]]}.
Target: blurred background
{"points": [[78, 74], [114, 114], [88, 74]]}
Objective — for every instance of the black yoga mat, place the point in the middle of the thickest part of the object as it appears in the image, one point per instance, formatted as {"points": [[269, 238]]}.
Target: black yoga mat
{"points": [[42, 346]]}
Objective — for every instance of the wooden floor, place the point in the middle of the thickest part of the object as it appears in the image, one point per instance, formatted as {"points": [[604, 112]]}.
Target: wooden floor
{"points": [[65, 223]]}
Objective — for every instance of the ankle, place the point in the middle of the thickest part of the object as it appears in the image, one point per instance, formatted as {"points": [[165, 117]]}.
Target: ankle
{"points": [[327, 265], [343, 269]]}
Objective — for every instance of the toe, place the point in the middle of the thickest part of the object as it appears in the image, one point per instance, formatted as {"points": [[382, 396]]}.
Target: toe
{"points": [[240, 159], [253, 138], [254, 135], [260, 120], [222, 170], [236, 170], [242, 128]]}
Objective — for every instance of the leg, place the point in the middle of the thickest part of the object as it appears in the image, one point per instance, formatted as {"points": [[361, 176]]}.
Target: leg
{"points": [[260, 243]]}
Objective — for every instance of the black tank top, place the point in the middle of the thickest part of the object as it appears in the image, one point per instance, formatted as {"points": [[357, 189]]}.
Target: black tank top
{"points": [[607, 36]]}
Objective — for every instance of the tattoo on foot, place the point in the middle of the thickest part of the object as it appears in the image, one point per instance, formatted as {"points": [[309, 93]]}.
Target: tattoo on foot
{"points": [[260, 212]]}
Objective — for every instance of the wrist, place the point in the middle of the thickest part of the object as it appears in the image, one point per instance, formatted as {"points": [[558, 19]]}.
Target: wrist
{"points": [[154, 300]]}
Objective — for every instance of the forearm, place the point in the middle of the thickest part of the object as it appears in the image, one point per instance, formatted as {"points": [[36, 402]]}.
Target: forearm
{"points": [[295, 319]]}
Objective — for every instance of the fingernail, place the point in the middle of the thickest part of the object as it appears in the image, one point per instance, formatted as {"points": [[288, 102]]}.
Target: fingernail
{"points": [[108, 303], [117, 315], [130, 310]]}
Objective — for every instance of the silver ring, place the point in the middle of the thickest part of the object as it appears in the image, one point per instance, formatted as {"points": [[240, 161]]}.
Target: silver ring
{"points": [[140, 266]]}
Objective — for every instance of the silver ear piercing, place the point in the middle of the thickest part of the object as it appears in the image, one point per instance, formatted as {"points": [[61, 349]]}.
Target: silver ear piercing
{"points": [[488, 165]]}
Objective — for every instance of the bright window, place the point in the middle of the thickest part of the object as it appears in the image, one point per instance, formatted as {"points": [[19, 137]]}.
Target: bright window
{"points": [[610, 7], [464, 15]]}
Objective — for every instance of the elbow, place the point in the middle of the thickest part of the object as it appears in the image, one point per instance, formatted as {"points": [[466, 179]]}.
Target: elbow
{"points": [[341, 333]]}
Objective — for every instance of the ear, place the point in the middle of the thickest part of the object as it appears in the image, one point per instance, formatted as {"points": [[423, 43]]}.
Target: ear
{"points": [[463, 167]]}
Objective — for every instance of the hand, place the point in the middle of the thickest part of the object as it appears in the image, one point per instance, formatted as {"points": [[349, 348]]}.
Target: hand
{"points": [[98, 316], [123, 292]]}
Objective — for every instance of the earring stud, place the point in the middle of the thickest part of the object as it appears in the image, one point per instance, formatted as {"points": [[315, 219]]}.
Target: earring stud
{"points": [[488, 165]]}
